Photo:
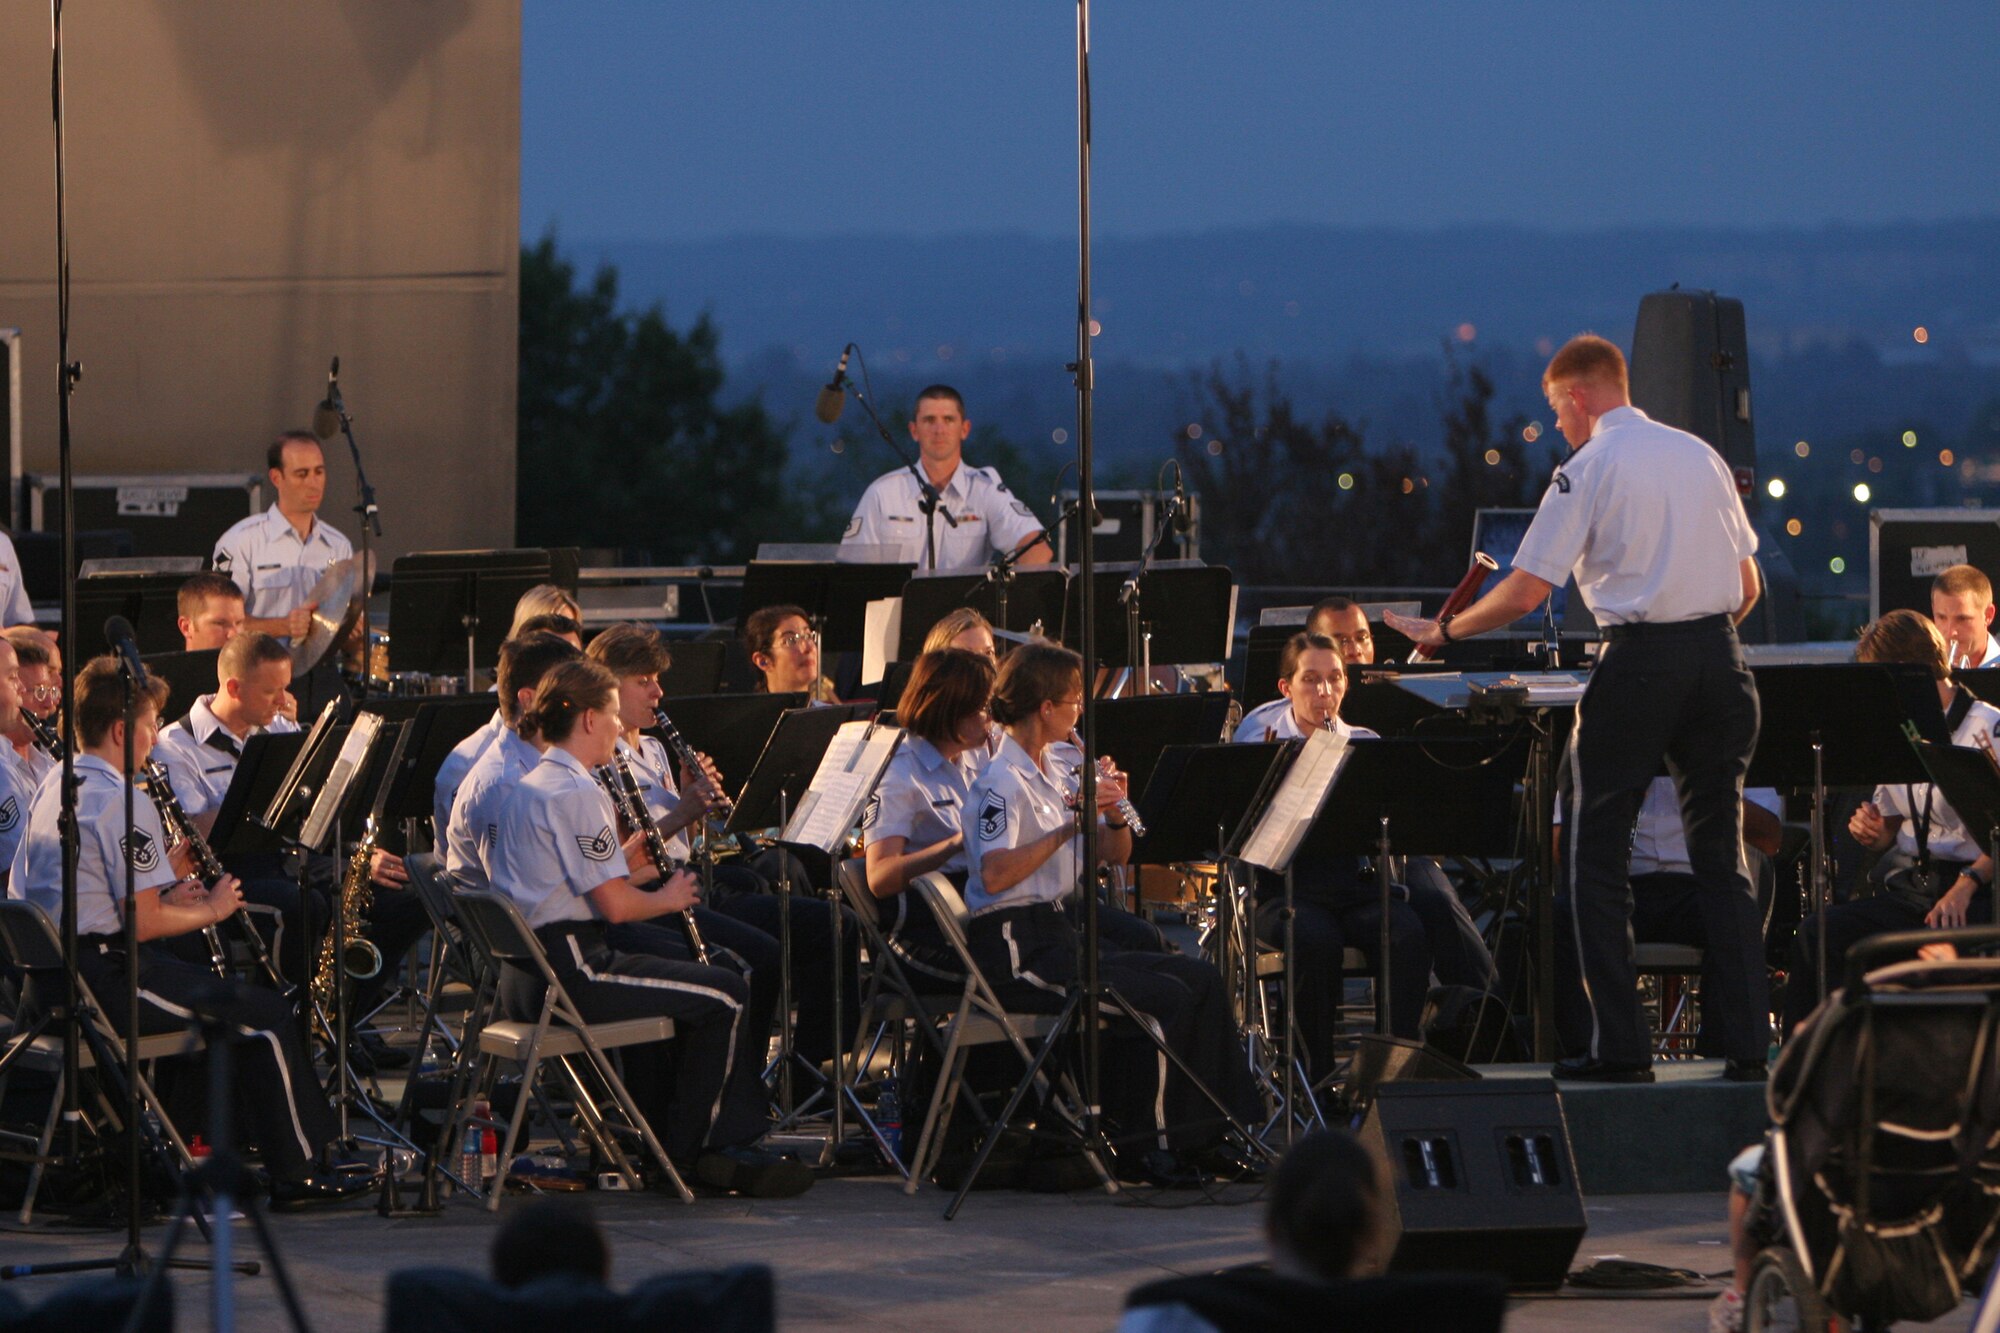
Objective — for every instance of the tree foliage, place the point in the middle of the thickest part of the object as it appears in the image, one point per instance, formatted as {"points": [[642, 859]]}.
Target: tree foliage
{"points": [[1287, 500], [623, 441]]}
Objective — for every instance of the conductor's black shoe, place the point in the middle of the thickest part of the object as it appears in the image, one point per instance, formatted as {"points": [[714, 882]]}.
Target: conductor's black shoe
{"points": [[1585, 1069], [1746, 1071], [289, 1196], [757, 1173]]}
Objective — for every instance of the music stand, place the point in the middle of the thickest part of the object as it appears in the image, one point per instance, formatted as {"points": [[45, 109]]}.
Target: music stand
{"points": [[730, 728], [150, 601], [1376, 700], [1971, 786], [694, 667], [1134, 731], [452, 609], [295, 791], [1188, 613], [833, 595], [432, 729], [267, 758], [1984, 682], [1030, 595], [188, 676], [790, 756]]}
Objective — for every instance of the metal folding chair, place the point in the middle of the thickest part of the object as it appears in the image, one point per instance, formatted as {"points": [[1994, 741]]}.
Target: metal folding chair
{"points": [[557, 1036]]}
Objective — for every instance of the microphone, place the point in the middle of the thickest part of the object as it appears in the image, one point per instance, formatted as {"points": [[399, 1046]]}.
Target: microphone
{"points": [[326, 417], [833, 398], [1183, 516], [118, 633]]}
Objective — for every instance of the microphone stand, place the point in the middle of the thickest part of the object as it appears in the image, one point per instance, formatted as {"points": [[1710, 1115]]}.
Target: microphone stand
{"points": [[933, 503], [371, 522], [1138, 644]]}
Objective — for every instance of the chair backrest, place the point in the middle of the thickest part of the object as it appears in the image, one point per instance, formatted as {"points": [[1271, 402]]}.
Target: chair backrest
{"points": [[493, 920], [28, 937], [948, 905]]}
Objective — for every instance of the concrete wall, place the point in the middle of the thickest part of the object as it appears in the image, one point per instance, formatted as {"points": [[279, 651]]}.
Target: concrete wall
{"points": [[254, 187]]}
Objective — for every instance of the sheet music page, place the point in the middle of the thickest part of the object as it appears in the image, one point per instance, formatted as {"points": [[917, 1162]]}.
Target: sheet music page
{"points": [[1302, 793], [879, 637], [346, 767], [846, 778]]}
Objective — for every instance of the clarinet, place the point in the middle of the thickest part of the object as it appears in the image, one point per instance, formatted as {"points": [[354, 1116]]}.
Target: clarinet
{"points": [[207, 868], [42, 734], [684, 755], [617, 780]]}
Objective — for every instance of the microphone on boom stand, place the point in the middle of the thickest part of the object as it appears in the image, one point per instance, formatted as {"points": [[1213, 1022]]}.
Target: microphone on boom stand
{"points": [[832, 399]]}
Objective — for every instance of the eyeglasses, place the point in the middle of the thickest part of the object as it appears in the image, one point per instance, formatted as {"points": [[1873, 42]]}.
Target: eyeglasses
{"points": [[43, 693], [797, 639]]}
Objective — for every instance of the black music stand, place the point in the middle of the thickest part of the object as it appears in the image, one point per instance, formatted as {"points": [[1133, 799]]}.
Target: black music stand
{"points": [[432, 730], [730, 729], [1984, 682], [833, 595], [1185, 613], [1376, 701], [694, 668], [1134, 731], [452, 609], [1444, 797], [1971, 786], [267, 758], [188, 677], [150, 601], [1031, 596]]}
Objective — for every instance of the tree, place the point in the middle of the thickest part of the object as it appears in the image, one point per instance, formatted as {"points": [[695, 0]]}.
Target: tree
{"points": [[623, 441]]}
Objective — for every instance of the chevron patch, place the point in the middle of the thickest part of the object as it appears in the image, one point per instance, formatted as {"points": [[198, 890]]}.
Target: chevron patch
{"points": [[143, 851], [600, 847]]}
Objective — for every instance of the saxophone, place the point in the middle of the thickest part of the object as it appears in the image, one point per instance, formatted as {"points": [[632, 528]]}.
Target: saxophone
{"points": [[360, 959]]}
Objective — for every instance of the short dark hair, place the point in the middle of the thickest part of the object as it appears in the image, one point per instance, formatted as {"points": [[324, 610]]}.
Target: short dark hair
{"points": [[760, 627], [630, 650], [1298, 645], [1327, 606], [1032, 675], [1325, 1205], [946, 686], [247, 651], [524, 660], [548, 1235], [274, 457], [31, 646], [550, 622], [194, 594], [568, 690], [100, 698], [942, 391]]}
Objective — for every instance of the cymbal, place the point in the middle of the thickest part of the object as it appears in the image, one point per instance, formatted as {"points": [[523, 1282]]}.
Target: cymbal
{"points": [[330, 598]]}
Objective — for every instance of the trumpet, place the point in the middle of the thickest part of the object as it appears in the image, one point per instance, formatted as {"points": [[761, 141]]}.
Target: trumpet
{"points": [[617, 780], [1126, 810], [1461, 597], [207, 868], [685, 755]]}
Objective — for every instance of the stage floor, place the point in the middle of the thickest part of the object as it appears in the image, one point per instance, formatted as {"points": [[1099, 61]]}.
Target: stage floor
{"points": [[854, 1252]]}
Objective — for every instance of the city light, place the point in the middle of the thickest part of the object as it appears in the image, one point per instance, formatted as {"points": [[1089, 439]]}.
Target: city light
{"points": [[1793, 528], [1921, 334], [1909, 439], [1861, 491], [1837, 565], [1802, 449], [1492, 457], [1346, 481], [1532, 431], [1776, 487], [1947, 457], [1194, 430]]}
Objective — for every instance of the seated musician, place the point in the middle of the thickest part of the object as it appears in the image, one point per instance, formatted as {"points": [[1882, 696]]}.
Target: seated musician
{"points": [[1668, 907], [555, 852], [963, 628], [1931, 871], [1342, 620], [542, 607], [475, 811], [41, 694], [915, 822], [1024, 863], [200, 753], [784, 647], [1337, 907], [17, 789], [283, 1112]]}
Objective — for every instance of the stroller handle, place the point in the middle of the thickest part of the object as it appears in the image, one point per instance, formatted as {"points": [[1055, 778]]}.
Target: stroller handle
{"points": [[1866, 955]]}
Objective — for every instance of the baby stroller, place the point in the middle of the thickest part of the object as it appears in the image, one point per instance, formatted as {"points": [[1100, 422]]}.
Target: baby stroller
{"points": [[1881, 1177]]}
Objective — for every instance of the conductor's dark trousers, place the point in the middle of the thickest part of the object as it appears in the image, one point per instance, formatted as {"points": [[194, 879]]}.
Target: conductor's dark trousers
{"points": [[1678, 692]]}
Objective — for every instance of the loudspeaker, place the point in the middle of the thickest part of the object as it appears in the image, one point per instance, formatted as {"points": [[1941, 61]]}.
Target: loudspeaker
{"points": [[1482, 1178], [1691, 369]]}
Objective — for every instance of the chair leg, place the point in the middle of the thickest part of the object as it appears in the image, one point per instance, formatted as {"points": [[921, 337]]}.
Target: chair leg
{"points": [[930, 1144], [530, 1069], [42, 1147]]}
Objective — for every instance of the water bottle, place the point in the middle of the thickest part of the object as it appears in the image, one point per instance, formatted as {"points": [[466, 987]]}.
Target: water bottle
{"points": [[889, 1117], [489, 1158], [468, 1159]]}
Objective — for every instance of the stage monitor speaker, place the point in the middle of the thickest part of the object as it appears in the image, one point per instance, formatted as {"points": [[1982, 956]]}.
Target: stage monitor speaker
{"points": [[1691, 369], [1907, 548], [1482, 1178]]}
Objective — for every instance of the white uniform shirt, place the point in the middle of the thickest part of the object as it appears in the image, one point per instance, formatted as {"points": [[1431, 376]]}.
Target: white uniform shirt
{"points": [[452, 772], [922, 799], [1275, 721], [989, 518], [1992, 656], [558, 840], [15, 608], [475, 814], [1647, 519], [1949, 840], [100, 871], [17, 799], [1659, 840], [273, 566], [1012, 803], [35, 762], [200, 755], [654, 773]]}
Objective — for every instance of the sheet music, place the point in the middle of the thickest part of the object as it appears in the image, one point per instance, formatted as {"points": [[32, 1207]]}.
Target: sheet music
{"points": [[1549, 687], [879, 636], [1301, 795], [846, 778], [346, 767]]}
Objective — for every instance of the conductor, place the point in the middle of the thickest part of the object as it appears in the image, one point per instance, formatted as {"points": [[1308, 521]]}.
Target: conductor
{"points": [[1648, 520]]}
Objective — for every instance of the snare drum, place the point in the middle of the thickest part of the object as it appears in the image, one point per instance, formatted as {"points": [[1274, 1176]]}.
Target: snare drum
{"points": [[1186, 887]]}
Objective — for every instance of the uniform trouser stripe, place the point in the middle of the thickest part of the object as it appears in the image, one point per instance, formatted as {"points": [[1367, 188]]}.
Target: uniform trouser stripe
{"points": [[265, 1035], [1014, 962], [722, 997], [1575, 840]]}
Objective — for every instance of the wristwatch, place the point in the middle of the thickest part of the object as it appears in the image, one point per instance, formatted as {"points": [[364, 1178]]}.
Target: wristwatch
{"points": [[1444, 626]]}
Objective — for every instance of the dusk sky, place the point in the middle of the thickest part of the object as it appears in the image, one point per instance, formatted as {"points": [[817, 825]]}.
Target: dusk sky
{"points": [[679, 121]]}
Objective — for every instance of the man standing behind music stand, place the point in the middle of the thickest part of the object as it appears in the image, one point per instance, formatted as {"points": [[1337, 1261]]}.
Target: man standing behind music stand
{"points": [[277, 556], [1648, 520]]}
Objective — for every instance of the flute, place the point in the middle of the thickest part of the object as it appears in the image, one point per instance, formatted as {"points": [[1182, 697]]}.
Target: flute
{"points": [[1126, 810]]}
